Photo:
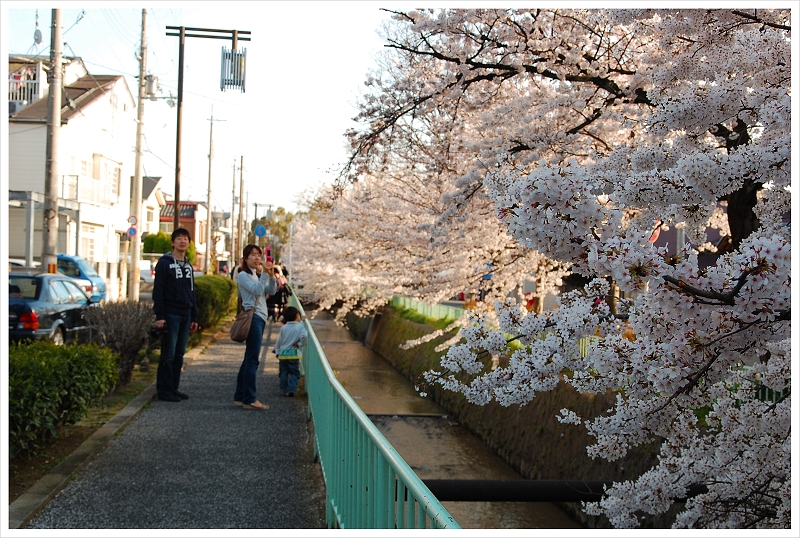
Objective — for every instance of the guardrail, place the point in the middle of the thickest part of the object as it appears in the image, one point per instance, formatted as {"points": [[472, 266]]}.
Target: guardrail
{"points": [[367, 484], [436, 311]]}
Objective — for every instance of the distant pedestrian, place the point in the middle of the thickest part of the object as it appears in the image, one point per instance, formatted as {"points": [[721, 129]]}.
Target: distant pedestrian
{"points": [[175, 305], [288, 350], [276, 301], [255, 279]]}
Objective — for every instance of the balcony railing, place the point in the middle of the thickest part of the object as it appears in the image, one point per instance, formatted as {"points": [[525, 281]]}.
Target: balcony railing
{"points": [[23, 90]]}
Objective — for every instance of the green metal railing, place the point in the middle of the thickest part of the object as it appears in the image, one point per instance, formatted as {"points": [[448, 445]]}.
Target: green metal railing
{"points": [[436, 311], [367, 484]]}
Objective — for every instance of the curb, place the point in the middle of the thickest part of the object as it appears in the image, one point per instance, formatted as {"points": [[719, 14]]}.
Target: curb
{"points": [[27, 505]]}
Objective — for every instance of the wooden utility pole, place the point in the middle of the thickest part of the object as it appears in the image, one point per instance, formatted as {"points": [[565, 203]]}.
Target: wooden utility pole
{"points": [[50, 225]]}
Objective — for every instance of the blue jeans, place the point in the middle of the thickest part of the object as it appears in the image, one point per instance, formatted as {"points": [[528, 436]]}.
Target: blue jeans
{"points": [[289, 374], [246, 380], [173, 346]]}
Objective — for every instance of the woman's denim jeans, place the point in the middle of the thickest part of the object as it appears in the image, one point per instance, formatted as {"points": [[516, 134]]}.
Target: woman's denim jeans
{"points": [[173, 346], [246, 380]]}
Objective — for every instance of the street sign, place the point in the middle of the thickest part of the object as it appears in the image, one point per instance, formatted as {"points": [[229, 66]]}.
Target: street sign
{"points": [[260, 231], [132, 220], [132, 231]]}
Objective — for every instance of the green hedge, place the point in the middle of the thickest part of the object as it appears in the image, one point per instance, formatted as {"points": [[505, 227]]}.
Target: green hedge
{"points": [[51, 386], [216, 297]]}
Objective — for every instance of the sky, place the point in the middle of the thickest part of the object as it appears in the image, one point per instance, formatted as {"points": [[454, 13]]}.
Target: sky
{"points": [[306, 63]]}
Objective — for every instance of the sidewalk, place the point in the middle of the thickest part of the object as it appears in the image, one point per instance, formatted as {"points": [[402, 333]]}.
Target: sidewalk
{"points": [[200, 463]]}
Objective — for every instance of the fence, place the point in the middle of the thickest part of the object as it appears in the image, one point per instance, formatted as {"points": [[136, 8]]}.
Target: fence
{"points": [[436, 311], [367, 484]]}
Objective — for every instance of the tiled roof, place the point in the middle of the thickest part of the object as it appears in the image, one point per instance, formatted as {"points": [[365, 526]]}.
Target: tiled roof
{"points": [[82, 92], [187, 210]]}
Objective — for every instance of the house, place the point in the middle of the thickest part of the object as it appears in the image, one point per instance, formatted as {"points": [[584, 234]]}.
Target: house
{"points": [[194, 216], [152, 202], [95, 161]]}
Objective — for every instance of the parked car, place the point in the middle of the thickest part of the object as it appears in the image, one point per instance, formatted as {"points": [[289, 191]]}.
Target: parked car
{"points": [[147, 271], [47, 306], [78, 267], [15, 263]]}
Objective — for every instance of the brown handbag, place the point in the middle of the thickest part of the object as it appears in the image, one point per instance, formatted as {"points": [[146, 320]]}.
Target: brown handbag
{"points": [[241, 325]]}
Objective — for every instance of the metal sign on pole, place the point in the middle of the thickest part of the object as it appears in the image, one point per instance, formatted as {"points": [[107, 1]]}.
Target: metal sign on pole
{"points": [[183, 32]]}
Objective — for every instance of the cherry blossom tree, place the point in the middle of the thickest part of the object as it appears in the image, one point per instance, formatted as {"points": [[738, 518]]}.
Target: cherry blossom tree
{"points": [[587, 130]]}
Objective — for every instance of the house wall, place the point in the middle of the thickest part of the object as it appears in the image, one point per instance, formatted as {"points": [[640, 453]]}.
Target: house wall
{"points": [[27, 148], [92, 145]]}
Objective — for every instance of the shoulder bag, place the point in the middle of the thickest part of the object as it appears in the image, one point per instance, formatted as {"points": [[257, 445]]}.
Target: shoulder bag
{"points": [[241, 325]]}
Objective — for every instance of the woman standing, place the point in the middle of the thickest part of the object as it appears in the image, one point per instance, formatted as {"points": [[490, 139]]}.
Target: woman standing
{"points": [[255, 279]]}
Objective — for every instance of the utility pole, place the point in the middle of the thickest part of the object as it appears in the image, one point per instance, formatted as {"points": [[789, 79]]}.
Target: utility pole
{"points": [[136, 239], [50, 227], [176, 217], [209, 242], [234, 70], [241, 199], [291, 264], [234, 246]]}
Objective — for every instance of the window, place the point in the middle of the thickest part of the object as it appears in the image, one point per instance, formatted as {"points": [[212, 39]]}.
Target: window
{"points": [[59, 293], [68, 267], [115, 177], [75, 292], [28, 287], [88, 241]]}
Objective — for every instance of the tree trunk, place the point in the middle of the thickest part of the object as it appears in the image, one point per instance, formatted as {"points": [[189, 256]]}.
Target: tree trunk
{"points": [[741, 218]]}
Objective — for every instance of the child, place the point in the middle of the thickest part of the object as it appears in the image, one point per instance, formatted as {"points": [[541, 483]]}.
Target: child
{"points": [[287, 348]]}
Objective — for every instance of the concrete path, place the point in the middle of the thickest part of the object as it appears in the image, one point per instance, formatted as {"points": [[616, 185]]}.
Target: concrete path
{"points": [[202, 463]]}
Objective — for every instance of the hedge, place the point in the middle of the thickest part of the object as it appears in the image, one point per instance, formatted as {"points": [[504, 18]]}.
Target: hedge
{"points": [[216, 297], [51, 386]]}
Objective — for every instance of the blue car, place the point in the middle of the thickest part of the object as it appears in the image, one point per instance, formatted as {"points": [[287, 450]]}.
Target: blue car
{"points": [[78, 267], [47, 306]]}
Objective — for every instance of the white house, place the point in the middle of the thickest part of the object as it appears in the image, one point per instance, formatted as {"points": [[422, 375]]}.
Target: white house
{"points": [[95, 163]]}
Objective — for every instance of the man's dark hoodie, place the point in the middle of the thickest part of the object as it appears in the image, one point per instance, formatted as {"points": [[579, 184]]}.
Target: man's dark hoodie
{"points": [[173, 289]]}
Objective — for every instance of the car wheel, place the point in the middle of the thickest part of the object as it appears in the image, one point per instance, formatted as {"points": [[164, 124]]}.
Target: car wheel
{"points": [[58, 337]]}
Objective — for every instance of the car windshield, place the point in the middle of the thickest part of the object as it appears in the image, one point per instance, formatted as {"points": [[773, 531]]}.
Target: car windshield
{"points": [[85, 267], [20, 287]]}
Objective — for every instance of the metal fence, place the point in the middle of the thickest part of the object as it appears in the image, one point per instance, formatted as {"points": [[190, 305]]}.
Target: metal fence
{"points": [[436, 311], [367, 484]]}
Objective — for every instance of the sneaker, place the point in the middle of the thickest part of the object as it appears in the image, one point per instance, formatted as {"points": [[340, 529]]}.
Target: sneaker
{"points": [[290, 394], [181, 395], [169, 398]]}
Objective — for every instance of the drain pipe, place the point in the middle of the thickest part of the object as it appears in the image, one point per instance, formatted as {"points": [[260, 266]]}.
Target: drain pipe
{"points": [[527, 490]]}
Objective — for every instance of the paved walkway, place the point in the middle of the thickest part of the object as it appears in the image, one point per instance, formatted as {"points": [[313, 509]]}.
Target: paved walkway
{"points": [[202, 463]]}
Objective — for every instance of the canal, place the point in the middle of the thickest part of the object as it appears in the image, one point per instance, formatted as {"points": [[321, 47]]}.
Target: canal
{"points": [[433, 444]]}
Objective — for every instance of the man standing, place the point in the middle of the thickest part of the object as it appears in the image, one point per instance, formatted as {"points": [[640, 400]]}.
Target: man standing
{"points": [[176, 313]]}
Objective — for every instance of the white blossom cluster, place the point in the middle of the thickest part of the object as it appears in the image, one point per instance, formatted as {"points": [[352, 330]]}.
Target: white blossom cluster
{"points": [[546, 140]]}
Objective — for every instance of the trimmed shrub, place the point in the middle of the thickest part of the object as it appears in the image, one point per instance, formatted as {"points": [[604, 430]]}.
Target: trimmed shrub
{"points": [[52, 386], [122, 327], [216, 297]]}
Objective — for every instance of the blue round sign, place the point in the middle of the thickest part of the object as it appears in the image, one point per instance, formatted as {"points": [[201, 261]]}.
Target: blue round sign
{"points": [[132, 231], [260, 231]]}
